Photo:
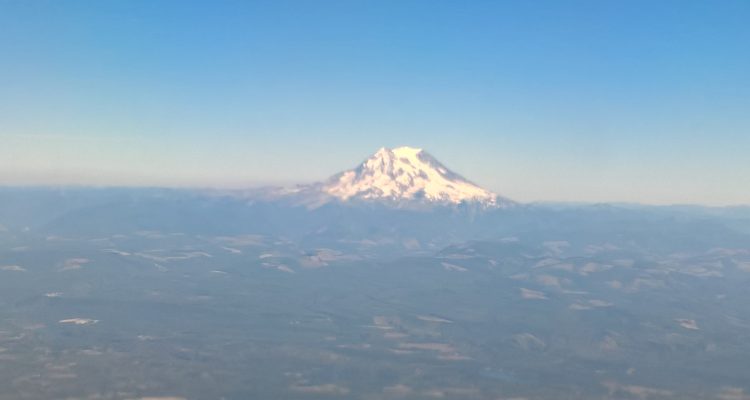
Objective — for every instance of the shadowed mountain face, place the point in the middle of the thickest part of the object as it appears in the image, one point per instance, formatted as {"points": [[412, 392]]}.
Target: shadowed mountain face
{"points": [[157, 293]]}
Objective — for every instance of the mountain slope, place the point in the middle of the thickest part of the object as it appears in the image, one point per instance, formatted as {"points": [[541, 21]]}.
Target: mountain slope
{"points": [[407, 174]]}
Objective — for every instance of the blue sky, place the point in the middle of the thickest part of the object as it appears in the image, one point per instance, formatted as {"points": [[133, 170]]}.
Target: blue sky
{"points": [[644, 101]]}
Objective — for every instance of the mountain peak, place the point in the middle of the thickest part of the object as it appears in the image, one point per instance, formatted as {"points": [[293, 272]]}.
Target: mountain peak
{"points": [[400, 152], [406, 150], [404, 174]]}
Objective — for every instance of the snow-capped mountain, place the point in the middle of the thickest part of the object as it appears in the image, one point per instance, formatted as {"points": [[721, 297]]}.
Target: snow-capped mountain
{"points": [[407, 174]]}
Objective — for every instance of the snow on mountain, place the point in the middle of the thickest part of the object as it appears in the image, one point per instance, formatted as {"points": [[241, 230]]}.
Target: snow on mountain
{"points": [[407, 174]]}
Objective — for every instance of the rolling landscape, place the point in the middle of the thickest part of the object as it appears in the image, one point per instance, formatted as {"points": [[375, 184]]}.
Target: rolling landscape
{"points": [[396, 279]]}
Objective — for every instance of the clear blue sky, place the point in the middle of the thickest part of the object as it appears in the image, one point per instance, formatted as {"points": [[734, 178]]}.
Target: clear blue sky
{"points": [[645, 101]]}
